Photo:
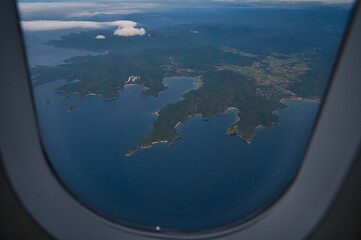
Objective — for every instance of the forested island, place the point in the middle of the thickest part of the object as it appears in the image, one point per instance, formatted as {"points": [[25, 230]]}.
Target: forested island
{"points": [[239, 70]]}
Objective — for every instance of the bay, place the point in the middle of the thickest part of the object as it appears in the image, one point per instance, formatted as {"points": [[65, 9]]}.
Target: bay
{"points": [[205, 180]]}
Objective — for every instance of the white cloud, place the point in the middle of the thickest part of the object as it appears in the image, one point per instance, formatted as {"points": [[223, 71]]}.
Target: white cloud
{"points": [[100, 12], [39, 7], [83, 9], [129, 31], [100, 37], [67, 9], [49, 25], [123, 23], [125, 28]]}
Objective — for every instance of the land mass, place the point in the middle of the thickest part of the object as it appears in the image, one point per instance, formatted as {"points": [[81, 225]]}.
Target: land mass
{"points": [[254, 91], [235, 74]]}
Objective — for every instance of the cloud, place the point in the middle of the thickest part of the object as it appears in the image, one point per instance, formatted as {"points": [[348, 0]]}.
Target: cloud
{"points": [[125, 28], [129, 31], [123, 23], [100, 37], [50, 25], [83, 9], [102, 12]]}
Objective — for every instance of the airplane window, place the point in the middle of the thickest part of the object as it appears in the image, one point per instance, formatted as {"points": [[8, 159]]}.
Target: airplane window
{"points": [[179, 116]]}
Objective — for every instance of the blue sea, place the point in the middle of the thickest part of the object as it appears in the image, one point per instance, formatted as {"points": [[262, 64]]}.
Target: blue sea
{"points": [[205, 180]]}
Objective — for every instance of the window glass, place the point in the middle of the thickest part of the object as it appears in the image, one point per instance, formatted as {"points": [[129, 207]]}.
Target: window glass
{"points": [[179, 115]]}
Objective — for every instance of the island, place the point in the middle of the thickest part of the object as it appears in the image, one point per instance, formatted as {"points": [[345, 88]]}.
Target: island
{"points": [[255, 92], [235, 73]]}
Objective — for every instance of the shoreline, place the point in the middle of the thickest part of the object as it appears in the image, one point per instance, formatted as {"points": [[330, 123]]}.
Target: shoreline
{"points": [[229, 131], [135, 149], [312, 100], [176, 126]]}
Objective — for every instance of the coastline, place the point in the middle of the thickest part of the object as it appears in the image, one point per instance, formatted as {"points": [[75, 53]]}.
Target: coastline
{"points": [[135, 149], [229, 131], [314, 100], [197, 82]]}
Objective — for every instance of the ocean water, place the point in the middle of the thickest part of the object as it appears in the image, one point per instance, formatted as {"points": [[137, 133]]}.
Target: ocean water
{"points": [[205, 180], [40, 53]]}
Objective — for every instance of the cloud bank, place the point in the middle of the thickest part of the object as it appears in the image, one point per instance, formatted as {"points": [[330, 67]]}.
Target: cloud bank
{"points": [[83, 9], [73, 9], [125, 28]]}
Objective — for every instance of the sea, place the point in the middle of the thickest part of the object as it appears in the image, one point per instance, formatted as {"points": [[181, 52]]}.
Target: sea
{"points": [[205, 180]]}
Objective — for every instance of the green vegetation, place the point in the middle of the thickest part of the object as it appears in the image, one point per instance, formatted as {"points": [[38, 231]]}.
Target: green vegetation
{"points": [[102, 75], [255, 91], [253, 82]]}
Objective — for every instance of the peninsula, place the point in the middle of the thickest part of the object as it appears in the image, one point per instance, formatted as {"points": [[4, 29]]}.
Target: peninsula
{"points": [[234, 74]]}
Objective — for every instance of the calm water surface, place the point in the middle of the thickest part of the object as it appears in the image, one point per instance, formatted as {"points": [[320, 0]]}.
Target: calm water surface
{"points": [[204, 180]]}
